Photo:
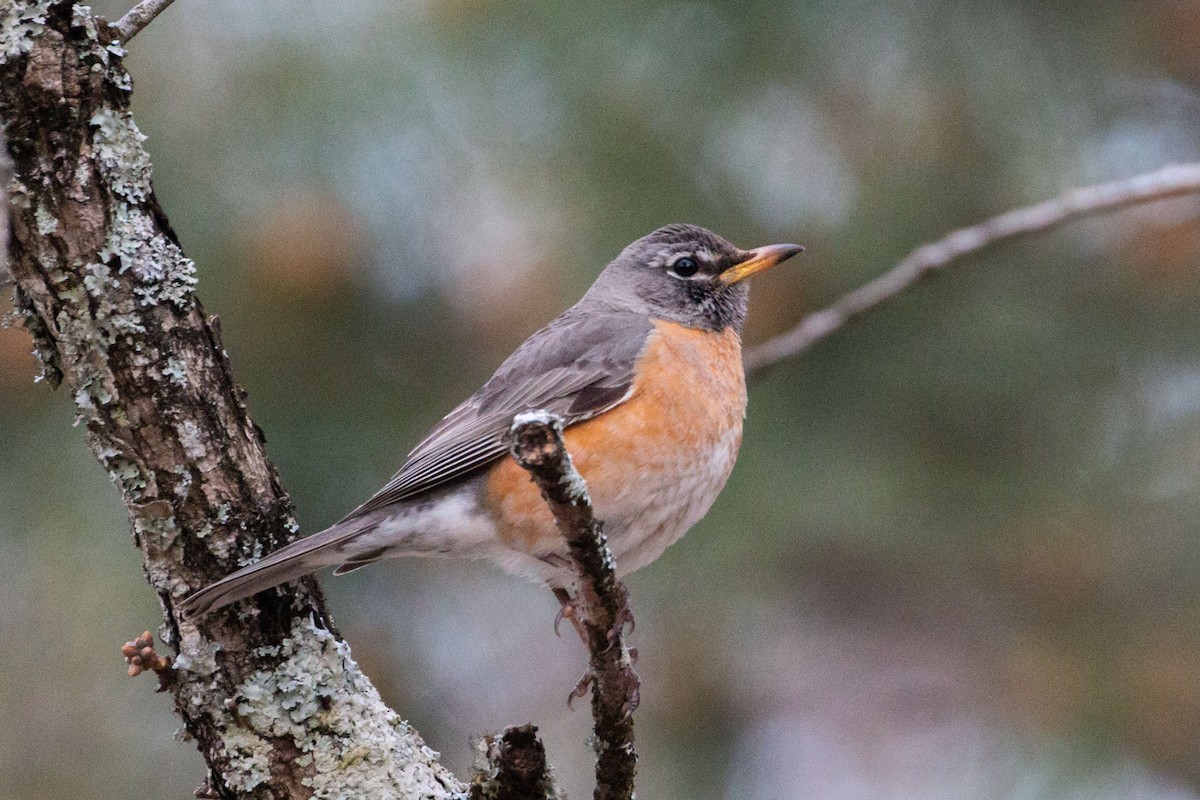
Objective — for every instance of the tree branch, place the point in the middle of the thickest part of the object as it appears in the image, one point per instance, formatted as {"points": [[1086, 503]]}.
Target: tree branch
{"points": [[537, 445], [513, 766], [138, 17], [1172, 181], [269, 692]]}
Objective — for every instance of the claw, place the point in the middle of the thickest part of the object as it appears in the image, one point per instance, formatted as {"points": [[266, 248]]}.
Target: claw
{"points": [[613, 633], [568, 611], [624, 617], [628, 707], [581, 688], [625, 613]]}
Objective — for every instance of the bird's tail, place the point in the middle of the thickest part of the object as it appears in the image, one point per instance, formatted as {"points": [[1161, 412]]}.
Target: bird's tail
{"points": [[292, 561]]}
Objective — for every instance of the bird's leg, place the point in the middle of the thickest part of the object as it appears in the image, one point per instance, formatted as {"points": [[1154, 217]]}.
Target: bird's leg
{"points": [[570, 610]]}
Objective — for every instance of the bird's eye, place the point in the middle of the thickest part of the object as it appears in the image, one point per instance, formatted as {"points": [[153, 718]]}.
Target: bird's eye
{"points": [[685, 267]]}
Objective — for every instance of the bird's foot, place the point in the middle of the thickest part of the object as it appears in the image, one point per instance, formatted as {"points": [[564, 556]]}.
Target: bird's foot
{"points": [[569, 610], [588, 683]]}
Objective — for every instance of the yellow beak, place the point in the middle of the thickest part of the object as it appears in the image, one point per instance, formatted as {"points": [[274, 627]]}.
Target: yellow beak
{"points": [[758, 260]]}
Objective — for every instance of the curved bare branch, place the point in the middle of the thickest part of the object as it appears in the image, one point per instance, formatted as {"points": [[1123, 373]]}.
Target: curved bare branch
{"points": [[1172, 181], [139, 17]]}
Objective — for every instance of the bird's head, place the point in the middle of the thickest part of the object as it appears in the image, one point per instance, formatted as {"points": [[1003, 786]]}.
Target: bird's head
{"points": [[686, 274]]}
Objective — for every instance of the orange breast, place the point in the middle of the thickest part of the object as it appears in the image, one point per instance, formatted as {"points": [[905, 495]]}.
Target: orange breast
{"points": [[653, 464]]}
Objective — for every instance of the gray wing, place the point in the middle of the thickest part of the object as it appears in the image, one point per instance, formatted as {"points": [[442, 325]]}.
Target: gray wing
{"points": [[578, 366]]}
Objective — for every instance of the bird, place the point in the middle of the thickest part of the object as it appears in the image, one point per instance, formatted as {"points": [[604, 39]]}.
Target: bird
{"points": [[646, 373]]}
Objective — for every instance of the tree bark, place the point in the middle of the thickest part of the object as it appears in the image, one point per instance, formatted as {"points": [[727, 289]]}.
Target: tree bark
{"points": [[269, 692]]}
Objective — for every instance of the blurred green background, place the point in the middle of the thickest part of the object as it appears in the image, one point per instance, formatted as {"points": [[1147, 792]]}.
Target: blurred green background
{"points": [[959, 555]]}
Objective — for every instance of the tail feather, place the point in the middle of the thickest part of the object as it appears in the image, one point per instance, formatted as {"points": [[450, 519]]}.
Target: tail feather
{"points": [[292, 561]]}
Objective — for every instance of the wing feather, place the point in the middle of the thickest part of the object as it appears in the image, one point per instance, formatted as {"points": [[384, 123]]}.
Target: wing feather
{"points": [[578, 366]]}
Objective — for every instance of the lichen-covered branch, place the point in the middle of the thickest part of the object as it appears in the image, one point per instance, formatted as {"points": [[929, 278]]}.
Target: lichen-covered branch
{"points": [[269, 691], [1172, 181], [602, 602]]}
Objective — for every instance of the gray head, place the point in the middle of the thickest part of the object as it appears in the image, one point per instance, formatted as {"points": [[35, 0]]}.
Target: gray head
{"points": [[685, 274]]}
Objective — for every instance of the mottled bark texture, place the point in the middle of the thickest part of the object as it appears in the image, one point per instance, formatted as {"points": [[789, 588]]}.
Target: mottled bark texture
{"points": [[268, 691], [512, 766], [600, 600]]}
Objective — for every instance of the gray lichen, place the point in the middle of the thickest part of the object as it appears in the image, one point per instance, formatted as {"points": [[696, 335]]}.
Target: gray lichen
{"points": [[318, 698], [82, 17], [160, 527], [198, 659], [245, 559], [19, 23], [134, 237], [119, 152], [47, 223], [175, 371], [128, 477], [135, 241]]}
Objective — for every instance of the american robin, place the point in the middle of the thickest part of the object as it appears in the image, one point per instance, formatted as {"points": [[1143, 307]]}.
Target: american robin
{"points": [[646, 372]]}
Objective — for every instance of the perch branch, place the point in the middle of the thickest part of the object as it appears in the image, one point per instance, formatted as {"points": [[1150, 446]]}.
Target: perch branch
{"points": [[1172, 181], [537, 445], [139, 17]]}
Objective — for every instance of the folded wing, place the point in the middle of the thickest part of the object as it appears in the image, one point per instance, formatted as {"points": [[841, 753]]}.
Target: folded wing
{"points": [[580, 365]]}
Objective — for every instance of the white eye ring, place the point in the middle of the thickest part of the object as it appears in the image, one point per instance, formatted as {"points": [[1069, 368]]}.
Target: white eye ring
{"points": [[684, 267]]}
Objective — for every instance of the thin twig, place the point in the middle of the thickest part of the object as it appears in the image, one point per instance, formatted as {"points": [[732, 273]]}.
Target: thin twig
{"points": [[537, 445], [138, 17], [1172, 181]]}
